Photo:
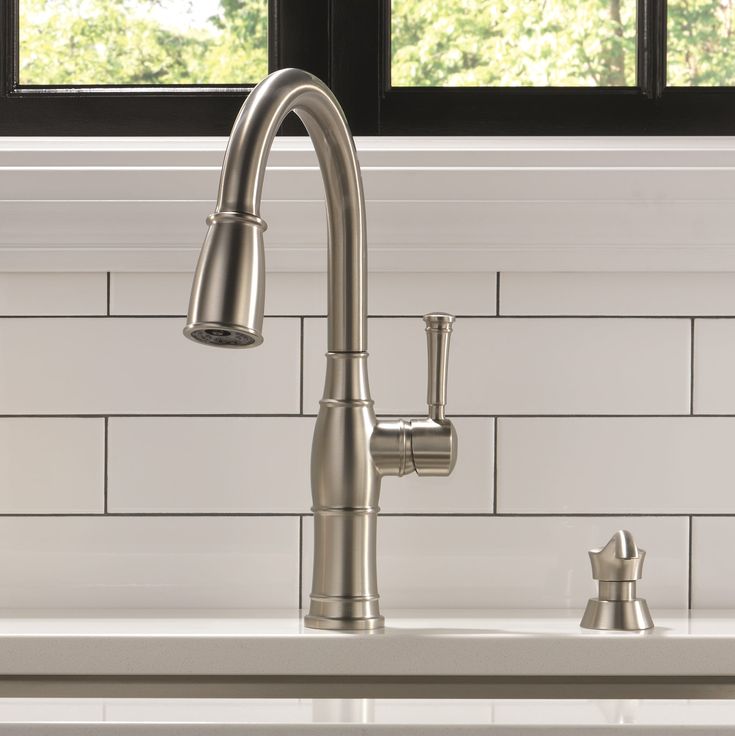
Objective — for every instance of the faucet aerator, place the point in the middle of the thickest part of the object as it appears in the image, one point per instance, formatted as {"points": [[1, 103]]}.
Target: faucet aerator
{"points": [[222, 337]]}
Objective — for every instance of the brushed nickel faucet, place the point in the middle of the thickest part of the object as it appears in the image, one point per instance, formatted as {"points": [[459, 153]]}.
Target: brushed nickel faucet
{"points": [[352, 450]]}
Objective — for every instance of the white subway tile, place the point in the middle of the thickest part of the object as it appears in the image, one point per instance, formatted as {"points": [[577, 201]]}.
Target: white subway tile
{"points": [[513, 562], [149, 293], [419, 293], [262, 465], [149, 562], [142, 366], [655, 294], [53, 293], [524, 366], [210, 464], [713, 565], [714, 366], [168, 293], [51, 466], [306, 293], [469, 489], [674, 465]]}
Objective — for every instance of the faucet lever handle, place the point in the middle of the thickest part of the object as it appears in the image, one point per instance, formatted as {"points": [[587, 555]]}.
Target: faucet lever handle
{"points": [[438, 332]]}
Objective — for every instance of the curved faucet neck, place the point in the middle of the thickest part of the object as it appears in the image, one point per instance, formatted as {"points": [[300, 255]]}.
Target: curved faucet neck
{"points": [[241, 187]]}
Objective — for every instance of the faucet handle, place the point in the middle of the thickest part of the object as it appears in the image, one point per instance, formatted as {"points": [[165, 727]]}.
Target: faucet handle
{"points": [[434, 439], [427, 445], [438, 332]]}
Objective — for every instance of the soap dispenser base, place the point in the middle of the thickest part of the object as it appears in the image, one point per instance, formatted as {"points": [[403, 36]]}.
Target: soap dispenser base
{"points": [[617, 615]]}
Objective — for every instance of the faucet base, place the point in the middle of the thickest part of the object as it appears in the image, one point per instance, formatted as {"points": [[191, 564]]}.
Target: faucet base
{"points": [[348, 613], [344, 624]]}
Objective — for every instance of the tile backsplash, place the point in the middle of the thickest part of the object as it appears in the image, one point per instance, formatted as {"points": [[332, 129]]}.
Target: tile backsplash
{"points": [[138, 469]]}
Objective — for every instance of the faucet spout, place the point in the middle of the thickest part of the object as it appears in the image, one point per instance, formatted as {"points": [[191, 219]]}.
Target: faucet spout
{"points": [[243, 172], [352, 450]]}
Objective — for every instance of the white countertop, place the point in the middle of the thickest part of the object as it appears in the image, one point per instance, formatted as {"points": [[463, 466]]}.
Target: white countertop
{"points": [[414, 643]]}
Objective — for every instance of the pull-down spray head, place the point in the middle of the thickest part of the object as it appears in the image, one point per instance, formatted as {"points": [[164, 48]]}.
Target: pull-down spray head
{"points": [[226, 306]]}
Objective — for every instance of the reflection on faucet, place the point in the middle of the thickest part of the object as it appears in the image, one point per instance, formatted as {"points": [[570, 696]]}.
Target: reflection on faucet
{"points": [[352, 450]]}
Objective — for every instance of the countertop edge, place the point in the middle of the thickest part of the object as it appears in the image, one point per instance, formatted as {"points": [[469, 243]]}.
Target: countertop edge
{"points": [[415, 644]]}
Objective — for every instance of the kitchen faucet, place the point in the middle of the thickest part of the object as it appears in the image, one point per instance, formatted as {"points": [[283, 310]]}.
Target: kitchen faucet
{"points": [[352, 450]]}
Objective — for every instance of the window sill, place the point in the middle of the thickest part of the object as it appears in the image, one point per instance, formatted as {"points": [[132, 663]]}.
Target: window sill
{"points": [[434, 204]]}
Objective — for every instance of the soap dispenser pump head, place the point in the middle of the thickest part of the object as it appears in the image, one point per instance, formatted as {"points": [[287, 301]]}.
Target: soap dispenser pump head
{"points": [[619, 560]]}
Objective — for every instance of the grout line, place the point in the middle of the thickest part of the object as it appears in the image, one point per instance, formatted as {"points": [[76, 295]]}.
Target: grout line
{"points": [[691, 371], [689, 576], [430, 514], [167, 316], [673, 415], [108, 294], [552, 515], [497, 294], [301, 560], [495, 466], [156, 416], [301, 368], [105, 486], [418, 412], [489, 316], [172, 514]]}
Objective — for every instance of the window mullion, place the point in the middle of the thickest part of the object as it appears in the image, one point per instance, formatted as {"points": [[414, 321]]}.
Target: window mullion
{"points": [[652, 47], [356, 61], [9, 43]]}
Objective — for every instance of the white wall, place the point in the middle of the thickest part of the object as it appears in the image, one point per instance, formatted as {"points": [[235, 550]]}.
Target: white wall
{"points": [[139, 469], [592, 380], [433, 204]]}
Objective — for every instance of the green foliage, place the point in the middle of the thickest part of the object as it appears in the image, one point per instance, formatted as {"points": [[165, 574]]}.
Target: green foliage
{"points": [[553, 43], [701, 46], [81, 42], [458, 43], [434, 43]]}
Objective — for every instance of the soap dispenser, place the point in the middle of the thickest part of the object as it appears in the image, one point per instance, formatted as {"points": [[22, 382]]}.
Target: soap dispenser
{"points": [[617, 567]]}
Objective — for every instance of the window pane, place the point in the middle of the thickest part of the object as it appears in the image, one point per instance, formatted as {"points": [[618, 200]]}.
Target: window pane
{"points": [[701, 44], [146, 42], [513, 43]]}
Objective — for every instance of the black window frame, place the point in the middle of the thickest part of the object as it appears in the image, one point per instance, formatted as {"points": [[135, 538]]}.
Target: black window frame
{"points": [[347, 44]]}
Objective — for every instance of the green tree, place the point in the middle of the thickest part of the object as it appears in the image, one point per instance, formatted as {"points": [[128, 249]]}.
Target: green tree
{"points": [[513, 42], [434, 43], [80, 42], [701, 51], [240, 52]]}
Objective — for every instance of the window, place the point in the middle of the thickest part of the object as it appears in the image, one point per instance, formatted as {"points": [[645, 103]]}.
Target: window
{"points": [[399, 67], [538, 67], [513, 43], [147, 67], [701, 43], [141, 42]]}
